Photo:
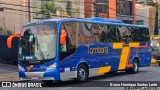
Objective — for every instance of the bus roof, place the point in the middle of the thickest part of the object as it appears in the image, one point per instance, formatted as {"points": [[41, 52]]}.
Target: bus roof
{"points": [[91, 20]]}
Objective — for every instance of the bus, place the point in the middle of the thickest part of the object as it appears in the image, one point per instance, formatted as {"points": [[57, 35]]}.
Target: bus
{"points": [[70, 48]]}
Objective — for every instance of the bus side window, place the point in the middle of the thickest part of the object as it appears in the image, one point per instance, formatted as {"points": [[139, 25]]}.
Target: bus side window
{"points": [[144, 34], [87, 29], [100, 33], [70, 47], [81, 36], [125, 33], [132, 33], [113, 34]]}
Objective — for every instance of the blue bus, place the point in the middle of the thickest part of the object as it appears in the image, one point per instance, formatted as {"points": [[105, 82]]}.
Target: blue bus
{"points": [[70, 48]]}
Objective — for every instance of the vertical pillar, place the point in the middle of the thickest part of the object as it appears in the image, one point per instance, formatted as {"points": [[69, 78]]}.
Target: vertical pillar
{"points": [[29, 10], [88, 8], [112, 9], [134, 11]]}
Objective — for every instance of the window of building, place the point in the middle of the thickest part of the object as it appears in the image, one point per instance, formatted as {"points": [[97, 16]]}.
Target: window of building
{"points": [[124, 7], [101, 6]]}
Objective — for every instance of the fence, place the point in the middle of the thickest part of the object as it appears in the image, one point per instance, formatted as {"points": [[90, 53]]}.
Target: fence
{"points": [[6, 53]]}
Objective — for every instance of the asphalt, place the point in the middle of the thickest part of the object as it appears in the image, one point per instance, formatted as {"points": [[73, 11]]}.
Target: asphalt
{"points": [[152, 73]]}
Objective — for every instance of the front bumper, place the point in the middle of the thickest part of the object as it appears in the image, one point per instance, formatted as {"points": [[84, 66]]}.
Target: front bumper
{"points": [[47, 75], [35, 76], [44, 78]]}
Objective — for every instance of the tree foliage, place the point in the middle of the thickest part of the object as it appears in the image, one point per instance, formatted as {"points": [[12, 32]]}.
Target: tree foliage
{"points": [[48, 10], [5, 31], [150, 2]]}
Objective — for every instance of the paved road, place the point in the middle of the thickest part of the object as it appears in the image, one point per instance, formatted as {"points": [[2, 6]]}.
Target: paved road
{"points": [[8, 73], [151, 73]]}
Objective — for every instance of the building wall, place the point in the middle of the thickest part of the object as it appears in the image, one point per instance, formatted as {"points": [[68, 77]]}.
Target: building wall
{"points": [[126, 11], [142, 13], [88, 8], [112, 9], [152, 12], [147, 14], [13, 17], [71, 8]]}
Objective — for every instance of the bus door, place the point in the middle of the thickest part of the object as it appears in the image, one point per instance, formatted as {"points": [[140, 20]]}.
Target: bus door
{"points": [[68, 57]]}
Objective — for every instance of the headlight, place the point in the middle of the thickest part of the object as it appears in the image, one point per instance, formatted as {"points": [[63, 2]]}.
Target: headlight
{"points": [[51, 66], [21, 68]]}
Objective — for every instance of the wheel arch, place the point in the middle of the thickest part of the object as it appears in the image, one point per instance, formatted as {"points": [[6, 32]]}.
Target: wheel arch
{"points": [[84, 63], [136, 58]]}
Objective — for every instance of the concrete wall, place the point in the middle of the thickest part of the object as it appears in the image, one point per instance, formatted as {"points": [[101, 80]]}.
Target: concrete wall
{"points": [[142, 13], [75, 8], [13, 19], [152, 12]]}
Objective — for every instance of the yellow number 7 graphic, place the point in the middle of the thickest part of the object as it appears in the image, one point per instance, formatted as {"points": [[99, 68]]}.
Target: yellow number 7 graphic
{"points": [[124, 58]]}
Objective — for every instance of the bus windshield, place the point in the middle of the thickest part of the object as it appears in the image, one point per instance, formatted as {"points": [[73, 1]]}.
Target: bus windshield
{"points": [[38, 43]]}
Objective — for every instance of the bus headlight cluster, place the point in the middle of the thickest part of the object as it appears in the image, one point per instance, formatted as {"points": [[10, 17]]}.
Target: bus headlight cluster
{"points": [[21, 68], [51, 66]]}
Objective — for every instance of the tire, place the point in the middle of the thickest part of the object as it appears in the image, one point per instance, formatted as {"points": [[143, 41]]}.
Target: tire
{"points": [[135, 68], [159, 64], [82, 73], [48, 82]]}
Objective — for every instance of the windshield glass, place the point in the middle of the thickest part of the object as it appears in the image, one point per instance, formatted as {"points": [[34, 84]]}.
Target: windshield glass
{"points": [[38, 42]]}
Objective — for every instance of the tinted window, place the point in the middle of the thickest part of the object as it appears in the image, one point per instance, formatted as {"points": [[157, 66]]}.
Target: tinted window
{"points": [[113, 34], [87, 29], [139, 34], [100, 32], [92, 32], [125, 34]]}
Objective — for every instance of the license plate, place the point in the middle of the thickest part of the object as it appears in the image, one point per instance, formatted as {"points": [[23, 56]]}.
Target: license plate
{"points": [[34, 78]]}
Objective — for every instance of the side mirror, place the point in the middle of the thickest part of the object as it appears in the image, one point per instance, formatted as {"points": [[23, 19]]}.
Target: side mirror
{"points": [[9, 40], [63, 37]]}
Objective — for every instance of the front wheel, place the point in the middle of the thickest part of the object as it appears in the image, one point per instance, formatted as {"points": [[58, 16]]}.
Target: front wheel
{"points": [[159, 64], [135, 67], [82, 73]]}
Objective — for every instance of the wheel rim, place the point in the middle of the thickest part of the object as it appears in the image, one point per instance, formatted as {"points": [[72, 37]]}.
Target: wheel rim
{"points": [[135, 67], [82, 74]]}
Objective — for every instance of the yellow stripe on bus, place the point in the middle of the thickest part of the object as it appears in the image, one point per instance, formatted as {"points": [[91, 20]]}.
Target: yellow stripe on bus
{"points": [[117, 45], [124, 58], [103, 70], [134, 44]]}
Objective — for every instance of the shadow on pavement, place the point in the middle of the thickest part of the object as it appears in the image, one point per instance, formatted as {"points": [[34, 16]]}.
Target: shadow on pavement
{"points": [[92, 80]]}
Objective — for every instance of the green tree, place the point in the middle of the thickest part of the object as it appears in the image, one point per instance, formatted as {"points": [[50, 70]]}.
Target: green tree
{"points": [[47, 10], [150, 2]]}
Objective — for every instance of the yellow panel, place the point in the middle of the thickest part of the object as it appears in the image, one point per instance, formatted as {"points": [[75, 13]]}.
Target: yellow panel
{"points": [[124, 58], [125, 50], [134, 44], [117, 45], [103, 70]]}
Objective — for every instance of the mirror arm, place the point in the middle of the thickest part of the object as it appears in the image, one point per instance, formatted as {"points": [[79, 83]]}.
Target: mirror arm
{"points": [[9, 39]]}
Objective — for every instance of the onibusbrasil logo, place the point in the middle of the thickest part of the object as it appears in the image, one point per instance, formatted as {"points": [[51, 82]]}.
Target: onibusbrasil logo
{"points": [[20, 84]]}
